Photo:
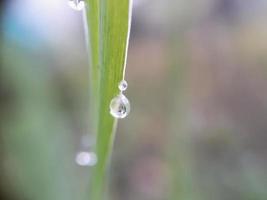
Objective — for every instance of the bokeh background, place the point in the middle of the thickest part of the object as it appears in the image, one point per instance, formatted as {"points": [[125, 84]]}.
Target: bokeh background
{"points": [[197, 80]]}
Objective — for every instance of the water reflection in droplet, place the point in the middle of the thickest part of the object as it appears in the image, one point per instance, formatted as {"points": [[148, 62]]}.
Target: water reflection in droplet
{"points": [[120, 106]]}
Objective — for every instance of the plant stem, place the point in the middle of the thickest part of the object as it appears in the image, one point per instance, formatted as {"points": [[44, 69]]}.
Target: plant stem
{"points": [[109, 25]]}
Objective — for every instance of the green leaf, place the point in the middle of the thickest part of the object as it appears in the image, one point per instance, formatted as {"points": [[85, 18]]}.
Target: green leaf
{"points": [[109, 22]]}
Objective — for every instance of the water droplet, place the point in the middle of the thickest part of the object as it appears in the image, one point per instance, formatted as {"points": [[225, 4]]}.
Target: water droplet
{"points": [[123, 85], [120, 106], [77, 4], [84, 158]]}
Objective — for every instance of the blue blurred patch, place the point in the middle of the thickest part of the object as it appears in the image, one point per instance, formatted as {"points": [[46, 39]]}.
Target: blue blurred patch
{"points": [[17, 28]]}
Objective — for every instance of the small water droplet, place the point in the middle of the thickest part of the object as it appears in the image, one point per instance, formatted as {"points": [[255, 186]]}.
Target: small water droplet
{"points": [[77, 4], [123, 85], [84, 158], [120, 106]]}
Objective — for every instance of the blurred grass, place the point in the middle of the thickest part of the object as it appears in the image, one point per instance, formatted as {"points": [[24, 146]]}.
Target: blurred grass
{"points": [[108, 24], [36, 141]]}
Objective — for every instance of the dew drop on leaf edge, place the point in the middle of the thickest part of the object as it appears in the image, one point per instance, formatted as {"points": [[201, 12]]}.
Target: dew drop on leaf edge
{"points": [[120, 106], [123, 85], [77, 5]]}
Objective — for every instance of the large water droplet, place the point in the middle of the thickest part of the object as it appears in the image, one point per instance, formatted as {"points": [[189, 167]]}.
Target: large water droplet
{"points": [[123, 85], [120, 106], [84, 158], [77, 4]]}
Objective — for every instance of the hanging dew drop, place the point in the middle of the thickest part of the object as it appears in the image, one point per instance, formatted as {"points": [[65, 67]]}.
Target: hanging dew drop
{"points": [[120, 106], [123, 85], [77, 4]]}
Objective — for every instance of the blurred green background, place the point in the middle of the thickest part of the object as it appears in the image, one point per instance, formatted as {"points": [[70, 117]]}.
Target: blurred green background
{"points": [[197, 80]]}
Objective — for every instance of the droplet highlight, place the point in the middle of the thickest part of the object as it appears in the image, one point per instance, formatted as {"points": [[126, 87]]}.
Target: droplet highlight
{"points": [[120, 106], [77, 5], [123, 85], [84, 158]]}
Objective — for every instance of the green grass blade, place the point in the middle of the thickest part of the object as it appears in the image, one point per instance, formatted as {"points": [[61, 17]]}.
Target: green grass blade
{"points": [[93, 19], [109, 22]]}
